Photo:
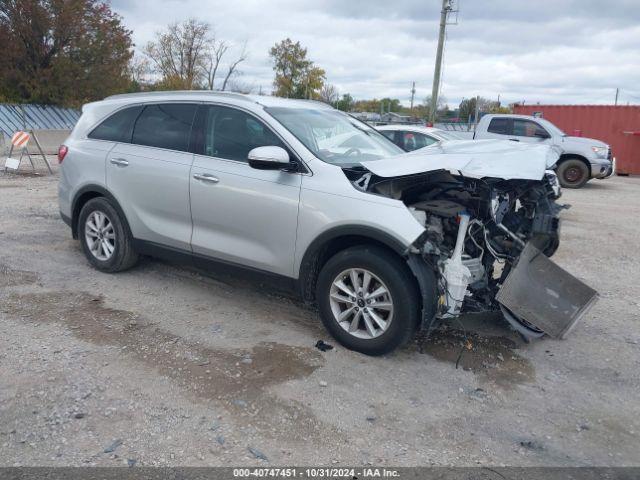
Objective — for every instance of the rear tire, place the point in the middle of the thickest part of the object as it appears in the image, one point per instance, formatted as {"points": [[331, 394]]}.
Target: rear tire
{"points": [[105, 237], [385, 300], [573, 173]]}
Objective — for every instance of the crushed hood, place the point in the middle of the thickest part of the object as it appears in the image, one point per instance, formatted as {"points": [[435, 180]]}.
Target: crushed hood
{"points": [[471, 158]]}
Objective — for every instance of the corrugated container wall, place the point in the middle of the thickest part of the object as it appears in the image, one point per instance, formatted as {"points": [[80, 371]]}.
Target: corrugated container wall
{"points": [[619, 126]]}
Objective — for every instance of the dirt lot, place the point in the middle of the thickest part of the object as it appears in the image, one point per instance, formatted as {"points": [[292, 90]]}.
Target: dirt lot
{"points": [[164, 366]]}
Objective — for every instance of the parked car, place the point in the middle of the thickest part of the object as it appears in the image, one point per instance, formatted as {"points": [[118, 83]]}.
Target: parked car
{"points": [[414, 137], [384, 243], [581, 159]]}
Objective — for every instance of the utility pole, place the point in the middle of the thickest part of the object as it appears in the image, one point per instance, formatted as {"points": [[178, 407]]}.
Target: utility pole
{"points": [[446, 9], [413, 95], [477, 110], [617, 92]]}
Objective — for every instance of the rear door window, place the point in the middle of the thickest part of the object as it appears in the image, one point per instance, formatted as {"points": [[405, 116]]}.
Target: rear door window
{"points": [[165, 126], [390, 134], [499, 126], [394, 136], [118, 127], [414, 141]]}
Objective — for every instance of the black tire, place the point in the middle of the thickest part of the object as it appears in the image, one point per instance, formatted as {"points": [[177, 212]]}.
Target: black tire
{"points": [[123, 256], [573, 173], [396, 276]]}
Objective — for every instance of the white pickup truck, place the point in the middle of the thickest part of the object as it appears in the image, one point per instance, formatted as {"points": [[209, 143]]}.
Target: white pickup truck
{"points": [[581, 159]]}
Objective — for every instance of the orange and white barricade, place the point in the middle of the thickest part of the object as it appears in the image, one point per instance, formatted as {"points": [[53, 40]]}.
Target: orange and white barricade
{"points": [[20, 140]]}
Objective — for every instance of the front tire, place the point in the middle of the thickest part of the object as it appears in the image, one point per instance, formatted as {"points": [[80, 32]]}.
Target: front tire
{"points": [[368, 300], [105, 237], [573, 173]]}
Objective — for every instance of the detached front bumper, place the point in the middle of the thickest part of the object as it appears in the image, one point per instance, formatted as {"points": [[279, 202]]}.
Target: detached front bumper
{"points": [[541, 293]]}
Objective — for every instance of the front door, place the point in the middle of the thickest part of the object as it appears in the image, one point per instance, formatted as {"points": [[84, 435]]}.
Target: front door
{"points": [[528, 131], [241, 215]]}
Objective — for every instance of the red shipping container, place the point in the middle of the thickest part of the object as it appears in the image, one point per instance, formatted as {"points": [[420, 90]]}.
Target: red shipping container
{"points": [[619, 126]]}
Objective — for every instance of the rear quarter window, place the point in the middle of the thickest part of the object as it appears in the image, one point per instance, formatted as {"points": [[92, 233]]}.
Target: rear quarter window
{"points": [[118, 127]]}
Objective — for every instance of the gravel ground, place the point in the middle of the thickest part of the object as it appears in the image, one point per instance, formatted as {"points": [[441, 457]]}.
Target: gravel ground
{"points": [[162, 365]]}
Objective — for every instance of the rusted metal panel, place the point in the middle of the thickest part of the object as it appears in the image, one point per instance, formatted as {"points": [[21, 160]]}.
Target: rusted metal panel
{"points": [[614, 125]]}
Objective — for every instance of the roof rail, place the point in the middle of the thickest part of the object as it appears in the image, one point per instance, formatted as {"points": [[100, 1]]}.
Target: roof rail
{"points": [[238, 96]]}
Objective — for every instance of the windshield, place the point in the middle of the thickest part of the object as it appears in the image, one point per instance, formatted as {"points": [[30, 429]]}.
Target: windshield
{"points": [[551, 128], [448, 135], [334, 136]]}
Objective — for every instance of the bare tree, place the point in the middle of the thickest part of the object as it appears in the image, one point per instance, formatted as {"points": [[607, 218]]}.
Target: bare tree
{"points": [[189, 56], [179, 53], [233, 66], [139, 69], [329, 94], [216, 51], [238, 86]]}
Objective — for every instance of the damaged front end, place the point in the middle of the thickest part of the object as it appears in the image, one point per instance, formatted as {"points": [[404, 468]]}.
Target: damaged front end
{"points": [[487, 242]]}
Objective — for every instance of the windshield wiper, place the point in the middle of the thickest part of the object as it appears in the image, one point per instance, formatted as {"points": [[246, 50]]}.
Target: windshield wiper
{"points": [[357, 127]]}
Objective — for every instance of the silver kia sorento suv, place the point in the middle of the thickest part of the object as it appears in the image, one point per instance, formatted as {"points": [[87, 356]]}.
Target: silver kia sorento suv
{"points": [[383, 242]]}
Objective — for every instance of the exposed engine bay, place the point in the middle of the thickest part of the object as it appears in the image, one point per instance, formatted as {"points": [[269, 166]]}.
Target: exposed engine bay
{"points": [[476, 231]]}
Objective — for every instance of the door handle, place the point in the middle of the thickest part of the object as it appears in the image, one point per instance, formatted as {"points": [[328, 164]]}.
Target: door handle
{"points": [[514, 139], [205, 177], [121, 162]]}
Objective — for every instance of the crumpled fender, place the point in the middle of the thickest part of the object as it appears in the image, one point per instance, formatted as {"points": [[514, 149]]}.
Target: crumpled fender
{"points": [[428, 290]]}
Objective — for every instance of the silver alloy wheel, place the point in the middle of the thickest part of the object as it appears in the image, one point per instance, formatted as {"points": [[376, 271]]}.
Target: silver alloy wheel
{"points": [[100, 235], [361, 303]]}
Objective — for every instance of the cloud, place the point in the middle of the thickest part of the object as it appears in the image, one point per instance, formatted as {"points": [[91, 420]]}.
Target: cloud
{"points": [[559, 51]]}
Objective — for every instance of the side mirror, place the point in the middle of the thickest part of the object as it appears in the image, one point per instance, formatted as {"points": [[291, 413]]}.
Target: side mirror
{"points": [[269, 158]]}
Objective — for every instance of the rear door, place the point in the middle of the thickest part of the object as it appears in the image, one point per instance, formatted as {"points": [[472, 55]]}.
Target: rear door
{"points": [[149, 174], [499, 128], [241, 215]]}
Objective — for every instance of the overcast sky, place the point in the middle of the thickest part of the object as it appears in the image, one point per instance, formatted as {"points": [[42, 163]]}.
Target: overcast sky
{"points": [[548, 51]]}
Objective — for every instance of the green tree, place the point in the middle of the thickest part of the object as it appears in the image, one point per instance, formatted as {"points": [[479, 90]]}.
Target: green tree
{"points": [[345, 103], [62, 52], [468, 107], [296, 75], [375, 105]]}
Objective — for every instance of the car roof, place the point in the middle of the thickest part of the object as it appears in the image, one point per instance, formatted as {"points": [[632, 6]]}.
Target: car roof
{"points": [[411, 128], [510, 115], [206, 95]]}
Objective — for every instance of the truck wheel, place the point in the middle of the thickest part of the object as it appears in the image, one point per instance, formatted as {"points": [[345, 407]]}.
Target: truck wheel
{"points": [[105, 237], [367, 300], [573, 173]]}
